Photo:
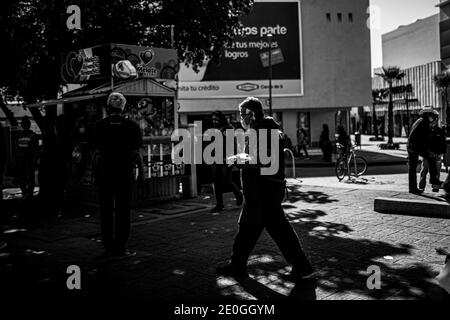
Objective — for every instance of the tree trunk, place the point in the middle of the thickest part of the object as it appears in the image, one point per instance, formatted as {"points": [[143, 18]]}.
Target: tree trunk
{"points": [[374, 121], [390, 117]]}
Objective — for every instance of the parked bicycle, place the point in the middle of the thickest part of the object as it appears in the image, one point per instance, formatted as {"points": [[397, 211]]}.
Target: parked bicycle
{"points": [[351, 164]]}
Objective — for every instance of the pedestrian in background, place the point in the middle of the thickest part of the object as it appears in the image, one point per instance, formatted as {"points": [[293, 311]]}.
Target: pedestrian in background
{"points": [[419, 142], [117, 141], [438, 147], [325, 143], [222, 174], [26, 155], [343, 139], [287, 142], [302, 142], [263, 195]]}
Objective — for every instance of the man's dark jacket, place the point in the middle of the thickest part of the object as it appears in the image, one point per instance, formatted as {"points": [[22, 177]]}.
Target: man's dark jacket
{"points": [[419, 138], [263, 192]]}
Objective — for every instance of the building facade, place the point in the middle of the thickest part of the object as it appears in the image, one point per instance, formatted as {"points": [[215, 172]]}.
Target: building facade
{"points": [[415, 49], [444, 30], [321, 66]]}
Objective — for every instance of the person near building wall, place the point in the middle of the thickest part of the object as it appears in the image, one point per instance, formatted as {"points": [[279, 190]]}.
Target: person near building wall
{"points": [[325, 143], [302, 142], [438, 147], [419, 145]]}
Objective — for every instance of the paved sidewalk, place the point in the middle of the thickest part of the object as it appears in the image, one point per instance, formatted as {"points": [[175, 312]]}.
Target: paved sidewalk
{"points": [[178, 250], [369, 150]]}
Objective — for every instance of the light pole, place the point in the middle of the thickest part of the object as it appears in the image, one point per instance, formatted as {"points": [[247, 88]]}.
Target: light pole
{"points": [[269, 37]]}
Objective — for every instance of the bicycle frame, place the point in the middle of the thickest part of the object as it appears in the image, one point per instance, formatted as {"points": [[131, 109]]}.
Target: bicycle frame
{"points": [[348, 158]]}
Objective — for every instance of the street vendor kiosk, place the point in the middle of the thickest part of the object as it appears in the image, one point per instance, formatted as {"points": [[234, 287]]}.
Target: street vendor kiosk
{"points": [[146, 77]]}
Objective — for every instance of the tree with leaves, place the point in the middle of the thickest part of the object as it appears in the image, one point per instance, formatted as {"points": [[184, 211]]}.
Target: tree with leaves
{"points": [[34, 36], [442, 81], [391, 75]]}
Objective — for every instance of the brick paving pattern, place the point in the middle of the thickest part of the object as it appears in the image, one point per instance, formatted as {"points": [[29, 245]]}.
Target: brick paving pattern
{"points": [[177, 254]]}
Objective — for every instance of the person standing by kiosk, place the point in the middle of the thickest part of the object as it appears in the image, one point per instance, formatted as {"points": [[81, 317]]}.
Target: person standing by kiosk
{"points": [[27, 147], [117, 141]]}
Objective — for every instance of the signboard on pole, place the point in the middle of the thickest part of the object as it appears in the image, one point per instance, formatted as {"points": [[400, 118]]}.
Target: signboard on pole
{"points": [[243, 67]]}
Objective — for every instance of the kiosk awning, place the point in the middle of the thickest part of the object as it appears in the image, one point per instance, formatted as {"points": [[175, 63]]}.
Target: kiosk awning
{"points": [[139, 87], [65, 100]]}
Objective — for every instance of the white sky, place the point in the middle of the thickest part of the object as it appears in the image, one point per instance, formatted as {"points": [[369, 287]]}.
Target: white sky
{"points": [[392, 14]]}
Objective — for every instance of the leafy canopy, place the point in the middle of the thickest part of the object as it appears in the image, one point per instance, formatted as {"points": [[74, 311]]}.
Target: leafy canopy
{"points": [[34, 34], [391, 74]]}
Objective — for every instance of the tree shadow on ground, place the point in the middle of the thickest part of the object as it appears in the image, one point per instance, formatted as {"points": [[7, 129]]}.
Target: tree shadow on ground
{"points": [[167, 268], [342, 264], [295, 194]]}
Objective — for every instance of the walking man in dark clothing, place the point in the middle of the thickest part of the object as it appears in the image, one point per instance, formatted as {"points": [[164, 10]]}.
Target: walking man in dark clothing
{"points": [[419, 145], [117, 141], [263, 195]]}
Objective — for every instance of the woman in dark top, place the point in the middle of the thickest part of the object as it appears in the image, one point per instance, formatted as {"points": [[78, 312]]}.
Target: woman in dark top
{"points": [[325, 143]]}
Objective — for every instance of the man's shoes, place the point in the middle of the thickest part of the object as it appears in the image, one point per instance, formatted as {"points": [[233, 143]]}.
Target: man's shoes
{"points": [[227, 268], [239, 199], [416, 191], [300, 273], [435, 190], [217, 208], [123, 254]]}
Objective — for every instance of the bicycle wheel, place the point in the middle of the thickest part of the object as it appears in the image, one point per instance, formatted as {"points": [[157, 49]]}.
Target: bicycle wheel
{"points": [[340, 168], [361, 166]]}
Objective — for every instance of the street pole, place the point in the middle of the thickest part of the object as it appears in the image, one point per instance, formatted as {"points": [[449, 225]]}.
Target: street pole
{"points": [[269, 37], [407, 104]]}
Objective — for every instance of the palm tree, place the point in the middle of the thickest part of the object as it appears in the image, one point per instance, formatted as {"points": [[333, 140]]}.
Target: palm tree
{"points": [[442, 81], [391, 75], [377, 97]]}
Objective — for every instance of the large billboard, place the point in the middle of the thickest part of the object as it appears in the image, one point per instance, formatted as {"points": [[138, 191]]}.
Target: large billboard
{"points": [[244, 65]]}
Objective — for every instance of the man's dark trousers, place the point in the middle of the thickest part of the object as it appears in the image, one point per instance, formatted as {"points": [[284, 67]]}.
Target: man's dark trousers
{"points": [[223, 177], [413, 162], [278, 227], [115, 206]]}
